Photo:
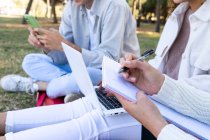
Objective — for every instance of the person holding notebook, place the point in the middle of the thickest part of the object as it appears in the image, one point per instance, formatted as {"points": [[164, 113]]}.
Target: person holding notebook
{"points": [[178, 76], [93, 27]]}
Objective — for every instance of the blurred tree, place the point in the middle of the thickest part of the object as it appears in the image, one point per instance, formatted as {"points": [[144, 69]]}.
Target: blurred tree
{"points": [[149, 9], [134, 4], [49, 3], [52, 4], [27, 10], [171, 6], [139, 12], [157, 26]]}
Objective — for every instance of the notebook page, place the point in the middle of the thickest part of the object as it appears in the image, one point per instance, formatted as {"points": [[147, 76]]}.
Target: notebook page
{"points": [[113, 81]]}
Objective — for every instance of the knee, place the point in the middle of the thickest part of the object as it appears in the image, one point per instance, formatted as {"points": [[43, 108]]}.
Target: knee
{"points": [[34, 60], [30, 60]]}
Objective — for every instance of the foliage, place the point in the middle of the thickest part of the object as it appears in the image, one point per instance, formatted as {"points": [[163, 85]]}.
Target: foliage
{"points": [[149, 7], [57, 1]]}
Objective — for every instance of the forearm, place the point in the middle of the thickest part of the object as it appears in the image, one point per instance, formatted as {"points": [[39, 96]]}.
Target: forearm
{"points": [[185, 99], [71, 45]]}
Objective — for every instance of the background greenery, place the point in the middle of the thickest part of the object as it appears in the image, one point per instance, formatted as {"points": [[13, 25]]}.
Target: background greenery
{"points": [[14, 46]]}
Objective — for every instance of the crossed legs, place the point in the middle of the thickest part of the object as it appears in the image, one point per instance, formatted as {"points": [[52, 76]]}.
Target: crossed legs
{"points": [[56, 79]]}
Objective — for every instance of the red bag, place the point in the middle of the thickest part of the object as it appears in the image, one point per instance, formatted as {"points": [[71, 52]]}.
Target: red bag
{"points": [[43, 99]]}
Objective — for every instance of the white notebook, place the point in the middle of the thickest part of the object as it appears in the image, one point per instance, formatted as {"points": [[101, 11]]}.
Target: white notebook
{"points": [[112, 80]]}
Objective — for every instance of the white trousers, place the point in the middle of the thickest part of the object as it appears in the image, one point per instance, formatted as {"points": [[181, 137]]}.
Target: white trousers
{"points": [[76, 120], [61, 82]]}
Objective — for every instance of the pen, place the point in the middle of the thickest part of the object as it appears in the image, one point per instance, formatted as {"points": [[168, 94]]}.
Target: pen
{"points": [[142, 57]]}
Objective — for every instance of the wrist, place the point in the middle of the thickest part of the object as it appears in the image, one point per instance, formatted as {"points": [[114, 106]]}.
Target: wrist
{"points": [[73, 46], [157, 126], [160, 84]]}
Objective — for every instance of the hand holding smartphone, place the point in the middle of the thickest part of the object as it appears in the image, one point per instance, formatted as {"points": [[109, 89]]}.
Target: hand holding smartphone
{"points": [[31, 21], [33, 40]]}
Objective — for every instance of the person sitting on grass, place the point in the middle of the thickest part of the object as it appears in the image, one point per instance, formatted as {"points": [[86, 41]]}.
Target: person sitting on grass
{"points": [[91, 27]]}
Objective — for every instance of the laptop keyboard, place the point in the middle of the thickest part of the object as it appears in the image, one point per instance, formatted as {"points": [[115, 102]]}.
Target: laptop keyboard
{"points": [[110, 102]]}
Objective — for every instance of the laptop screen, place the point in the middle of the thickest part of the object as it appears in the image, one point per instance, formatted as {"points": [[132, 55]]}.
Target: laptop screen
{"points": [[80, 74]]}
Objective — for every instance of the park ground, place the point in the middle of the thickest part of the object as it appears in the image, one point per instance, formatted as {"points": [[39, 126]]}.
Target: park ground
{"points": [[14, 46]]}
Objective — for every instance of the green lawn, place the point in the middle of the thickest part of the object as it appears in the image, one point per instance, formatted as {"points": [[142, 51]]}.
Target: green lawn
{"points": [[14, 46]]}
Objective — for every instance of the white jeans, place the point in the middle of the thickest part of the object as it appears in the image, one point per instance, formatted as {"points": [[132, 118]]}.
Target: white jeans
{"points": [[61, 82], [76, 120]]}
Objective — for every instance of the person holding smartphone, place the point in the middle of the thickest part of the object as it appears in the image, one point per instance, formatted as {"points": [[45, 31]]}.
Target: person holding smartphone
{"points": [[94, 28]]}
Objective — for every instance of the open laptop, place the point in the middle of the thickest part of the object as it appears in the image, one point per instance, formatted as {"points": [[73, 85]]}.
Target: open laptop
{"points": [[97, 97]]}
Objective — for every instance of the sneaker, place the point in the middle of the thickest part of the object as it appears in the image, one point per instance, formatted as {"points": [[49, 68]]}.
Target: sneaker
{"points": [[16, 83], [72, 97]]}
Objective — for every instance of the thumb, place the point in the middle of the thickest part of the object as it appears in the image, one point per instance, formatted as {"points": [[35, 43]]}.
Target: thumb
{"points": [[141, 96]]}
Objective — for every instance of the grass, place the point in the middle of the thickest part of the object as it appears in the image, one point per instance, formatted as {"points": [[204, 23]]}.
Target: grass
{"points": [[14, 46]]}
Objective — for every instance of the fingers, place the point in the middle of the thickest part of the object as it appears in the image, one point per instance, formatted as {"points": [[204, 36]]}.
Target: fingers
{"points": [[141, 65], [129, 57], [41, 31], [121, 99], [34, 41], [41, 37], [140, 95]]}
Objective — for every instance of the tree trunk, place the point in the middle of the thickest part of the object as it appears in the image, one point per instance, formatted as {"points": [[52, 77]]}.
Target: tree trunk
{"points": [[55, 20], [157, 26], [47, 8], [134, 8], [140, 13], [28, 8]]}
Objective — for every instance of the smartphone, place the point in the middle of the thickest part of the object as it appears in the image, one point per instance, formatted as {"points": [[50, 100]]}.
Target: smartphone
{"points": [[31, 20]]}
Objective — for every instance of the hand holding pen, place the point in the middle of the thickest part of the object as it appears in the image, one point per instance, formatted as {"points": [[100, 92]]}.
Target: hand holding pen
{"points": [[141, 74], [142, 57]]}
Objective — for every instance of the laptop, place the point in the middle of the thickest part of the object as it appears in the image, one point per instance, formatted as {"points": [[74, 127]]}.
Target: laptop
{"points": [[96, 96]]}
